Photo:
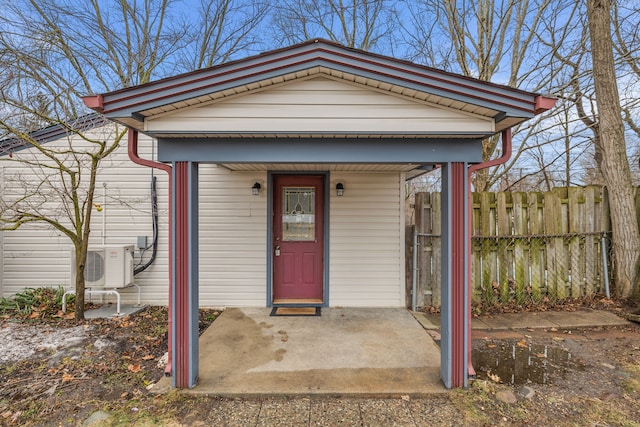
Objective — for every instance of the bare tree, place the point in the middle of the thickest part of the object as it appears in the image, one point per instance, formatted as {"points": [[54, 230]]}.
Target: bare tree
{"points": [[55, 184], [614, 164], [223, 28], [492, 40], [626, 45], [56, 52], [361, 24]]}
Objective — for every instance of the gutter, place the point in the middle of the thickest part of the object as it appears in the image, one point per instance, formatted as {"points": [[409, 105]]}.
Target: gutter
{"points": [[132, 147], [95, 102], [506, 154], [541, 104]]}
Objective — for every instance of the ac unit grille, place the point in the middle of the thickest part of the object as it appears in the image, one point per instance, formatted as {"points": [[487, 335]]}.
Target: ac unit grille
{"points": [[94, 268]]}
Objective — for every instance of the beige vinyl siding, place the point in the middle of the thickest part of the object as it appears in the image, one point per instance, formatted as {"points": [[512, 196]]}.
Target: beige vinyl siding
{"points": [[319, 105], [365, 236], [366, 241], [233, 238], [232, 233]]}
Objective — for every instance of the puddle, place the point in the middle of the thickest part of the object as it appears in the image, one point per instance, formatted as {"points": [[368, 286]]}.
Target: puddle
{"points": [[522, 362]]}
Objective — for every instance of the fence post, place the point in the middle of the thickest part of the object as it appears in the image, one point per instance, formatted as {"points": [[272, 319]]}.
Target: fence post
{"points": [[436, 248]]}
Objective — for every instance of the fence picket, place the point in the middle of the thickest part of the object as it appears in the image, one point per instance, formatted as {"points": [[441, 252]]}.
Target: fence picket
{"points": [[576, 229], [521, 246], [488, 253], [536, 247], [503, 215]]}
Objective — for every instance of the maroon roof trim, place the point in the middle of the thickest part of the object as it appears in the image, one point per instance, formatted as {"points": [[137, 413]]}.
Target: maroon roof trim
{"points": [[289, 65], [358, 56]]}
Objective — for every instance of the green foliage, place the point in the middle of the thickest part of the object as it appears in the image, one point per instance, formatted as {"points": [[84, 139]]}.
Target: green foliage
{"points": [[34, 300]]}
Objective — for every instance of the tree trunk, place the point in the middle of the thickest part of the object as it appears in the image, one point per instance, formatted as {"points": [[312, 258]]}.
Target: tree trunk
{"points": [[81, 260], [614, 163]]}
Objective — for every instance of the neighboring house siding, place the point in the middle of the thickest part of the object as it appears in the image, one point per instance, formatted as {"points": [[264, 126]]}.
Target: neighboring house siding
{"points": [[318, 105], [366, 252], [35, 255]]}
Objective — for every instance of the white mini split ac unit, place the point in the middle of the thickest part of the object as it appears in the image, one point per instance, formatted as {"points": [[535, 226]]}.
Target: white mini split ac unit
{"points": [[106, 267]]}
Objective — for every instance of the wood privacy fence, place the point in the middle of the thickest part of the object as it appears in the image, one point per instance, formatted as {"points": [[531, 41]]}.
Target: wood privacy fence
{"points": [[526, 247]]}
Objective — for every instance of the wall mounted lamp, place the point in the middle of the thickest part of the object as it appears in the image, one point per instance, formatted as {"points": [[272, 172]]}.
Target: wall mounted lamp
{"points": [[255, 190], [339, 189]]}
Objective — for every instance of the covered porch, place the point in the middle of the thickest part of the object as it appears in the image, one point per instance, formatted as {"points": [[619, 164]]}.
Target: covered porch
{"points": [[314, 111]]}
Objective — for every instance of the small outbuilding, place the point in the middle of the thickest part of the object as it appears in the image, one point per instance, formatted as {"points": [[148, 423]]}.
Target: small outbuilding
{"points": [[312, 145]]}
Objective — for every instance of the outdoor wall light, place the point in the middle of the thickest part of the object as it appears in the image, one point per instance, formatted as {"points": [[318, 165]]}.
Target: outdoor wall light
{"points": [[255, 190], [339, 189]]}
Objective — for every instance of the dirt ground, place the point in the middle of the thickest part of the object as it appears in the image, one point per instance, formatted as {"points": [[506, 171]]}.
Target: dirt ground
{"points": [[54, 371]]}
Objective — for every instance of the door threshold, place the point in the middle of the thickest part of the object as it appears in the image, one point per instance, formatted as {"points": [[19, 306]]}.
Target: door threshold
{"points": [[297, 301]]}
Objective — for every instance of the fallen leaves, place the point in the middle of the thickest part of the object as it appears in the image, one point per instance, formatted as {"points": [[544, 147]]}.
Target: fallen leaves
{"points": [[134, 368], [69, 315], [493, 377], [492, 303]]}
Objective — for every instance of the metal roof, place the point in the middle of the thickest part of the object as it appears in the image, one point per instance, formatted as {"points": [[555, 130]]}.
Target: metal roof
{"points": [[52, 133]]}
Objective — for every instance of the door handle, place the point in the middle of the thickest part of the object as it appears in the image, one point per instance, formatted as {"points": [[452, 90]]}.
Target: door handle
{"points": [[277, 251]]}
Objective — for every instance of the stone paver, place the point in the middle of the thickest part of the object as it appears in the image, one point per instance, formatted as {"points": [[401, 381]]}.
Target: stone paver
{"points": [[350, 412], [376, 412], [330, 413], [285, 412], [434, 412], [235, 413]]}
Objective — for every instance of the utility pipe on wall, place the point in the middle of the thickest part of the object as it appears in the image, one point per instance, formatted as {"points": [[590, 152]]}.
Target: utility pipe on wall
{"points": [[132, 148], [104, 213]]}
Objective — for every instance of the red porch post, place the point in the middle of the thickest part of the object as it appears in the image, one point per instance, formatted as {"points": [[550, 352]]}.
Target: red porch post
{"points": [[455, 261], [184, 281]]}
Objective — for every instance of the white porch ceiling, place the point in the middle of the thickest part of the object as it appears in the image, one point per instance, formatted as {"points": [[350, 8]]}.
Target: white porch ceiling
{"points": [[307, 167]]}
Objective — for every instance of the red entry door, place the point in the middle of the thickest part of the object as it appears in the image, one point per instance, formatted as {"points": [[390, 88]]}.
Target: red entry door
{"points": [[298, 234]]}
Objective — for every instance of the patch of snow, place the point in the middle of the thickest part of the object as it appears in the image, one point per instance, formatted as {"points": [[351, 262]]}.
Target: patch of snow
{"points": [[20, 341]]}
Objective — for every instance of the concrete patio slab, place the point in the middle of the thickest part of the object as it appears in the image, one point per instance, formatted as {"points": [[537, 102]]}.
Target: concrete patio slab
{"points": [[583, 318], [345, 351], [522, 320], [107, 311], [429, 321]]}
